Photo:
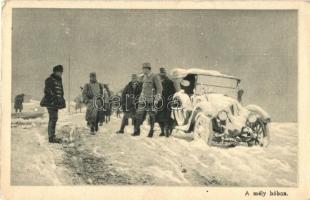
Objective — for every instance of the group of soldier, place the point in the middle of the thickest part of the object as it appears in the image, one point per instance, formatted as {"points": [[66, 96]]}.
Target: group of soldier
{"points": [[142, 96]]}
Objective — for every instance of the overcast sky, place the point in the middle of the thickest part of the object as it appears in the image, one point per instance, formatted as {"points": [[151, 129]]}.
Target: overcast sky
{"points": [[260, 47]]}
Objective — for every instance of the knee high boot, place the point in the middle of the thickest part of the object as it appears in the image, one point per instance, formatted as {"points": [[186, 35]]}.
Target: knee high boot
{"points": [[162, 129], [167, 129], [136, 127], [123, 125], [152, 123]]}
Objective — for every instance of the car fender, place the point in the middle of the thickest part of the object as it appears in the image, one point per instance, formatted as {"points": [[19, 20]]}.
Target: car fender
{"points": [[257, 109], [204, 108]]}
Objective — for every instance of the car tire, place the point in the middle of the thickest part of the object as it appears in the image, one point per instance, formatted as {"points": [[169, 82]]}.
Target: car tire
{"points": [[264, 133], [266, 136]]}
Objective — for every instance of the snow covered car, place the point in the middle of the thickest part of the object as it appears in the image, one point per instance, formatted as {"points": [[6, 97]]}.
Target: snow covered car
{"points": [[208, 104]]}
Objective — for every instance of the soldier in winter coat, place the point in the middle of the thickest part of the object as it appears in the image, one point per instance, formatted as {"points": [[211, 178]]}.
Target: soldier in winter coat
{"points": [[129, 102], [93, 97], [163, 116], [150, 96], [53, 100]]}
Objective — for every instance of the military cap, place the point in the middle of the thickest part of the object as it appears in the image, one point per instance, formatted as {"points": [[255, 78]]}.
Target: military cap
{"points": [[146, 65], [162, 70], [92, 74]]}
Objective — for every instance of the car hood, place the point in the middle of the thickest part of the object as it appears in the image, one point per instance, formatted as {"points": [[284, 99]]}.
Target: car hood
{"points": [[221, 102]]}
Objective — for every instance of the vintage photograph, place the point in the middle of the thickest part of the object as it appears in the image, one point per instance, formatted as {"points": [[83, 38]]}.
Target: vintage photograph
{"points": [[154, 97]]}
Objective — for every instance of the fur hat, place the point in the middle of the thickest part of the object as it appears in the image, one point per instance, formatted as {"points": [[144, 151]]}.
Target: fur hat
{"points": [[58, 68]]}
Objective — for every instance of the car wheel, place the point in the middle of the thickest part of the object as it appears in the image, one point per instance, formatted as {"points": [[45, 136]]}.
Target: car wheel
{"points": [[202, 128], [262, 131]]}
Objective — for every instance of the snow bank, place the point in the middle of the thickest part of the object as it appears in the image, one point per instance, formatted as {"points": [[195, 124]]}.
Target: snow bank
{"points": [[176, 159], [27, 123], [273, 166]]}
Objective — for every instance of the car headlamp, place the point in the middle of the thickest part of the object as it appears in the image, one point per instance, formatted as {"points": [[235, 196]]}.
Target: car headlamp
{"points": [[222, 115], [252, 118]]}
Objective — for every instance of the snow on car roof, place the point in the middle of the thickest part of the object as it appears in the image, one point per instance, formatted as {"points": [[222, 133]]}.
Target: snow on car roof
{"points": [[181, 72]]}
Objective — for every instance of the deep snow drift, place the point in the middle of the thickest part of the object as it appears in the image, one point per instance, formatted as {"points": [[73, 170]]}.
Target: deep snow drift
{"points": [[108, 158]]}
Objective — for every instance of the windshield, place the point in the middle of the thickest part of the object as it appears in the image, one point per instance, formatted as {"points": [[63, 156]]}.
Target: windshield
{"points": [[211, 84]]}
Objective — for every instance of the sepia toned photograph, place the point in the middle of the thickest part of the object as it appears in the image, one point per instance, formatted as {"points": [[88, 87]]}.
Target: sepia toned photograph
{"points": [[154, 97], [155, 100]]}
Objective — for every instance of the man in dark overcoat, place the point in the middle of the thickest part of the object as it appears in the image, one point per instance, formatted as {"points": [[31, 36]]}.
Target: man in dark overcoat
{"points": [[163, 116], [53, 100], [129, 101]]}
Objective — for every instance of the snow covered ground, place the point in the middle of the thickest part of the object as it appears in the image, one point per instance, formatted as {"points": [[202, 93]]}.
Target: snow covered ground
{"points": [[108, 158]]}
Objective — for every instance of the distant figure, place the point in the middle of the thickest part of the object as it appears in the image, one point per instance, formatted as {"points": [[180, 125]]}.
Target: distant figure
{"points": [[53, 100], [18, 103], [129, 102], [163, 116], [107, 106], [79, 101], [118, 112], [117, 108], [93, 98]]}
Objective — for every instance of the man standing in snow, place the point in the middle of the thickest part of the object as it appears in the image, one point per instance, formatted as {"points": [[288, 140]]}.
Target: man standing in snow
{"points": [[150, 96], [107, 106], [18, 104], [129, 100], [53, 100], [93, 97], [163, 116]]}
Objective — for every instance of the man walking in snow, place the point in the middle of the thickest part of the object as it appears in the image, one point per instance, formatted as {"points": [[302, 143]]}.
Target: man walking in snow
{"points": [[93, 97], [149, 98], [129, 101], [53, 100]]}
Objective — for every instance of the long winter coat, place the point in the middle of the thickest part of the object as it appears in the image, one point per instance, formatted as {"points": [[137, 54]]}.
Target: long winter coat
{"points": [[130, 97], [94, 103], [53, 93], [164, 113]]}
